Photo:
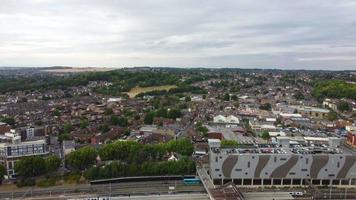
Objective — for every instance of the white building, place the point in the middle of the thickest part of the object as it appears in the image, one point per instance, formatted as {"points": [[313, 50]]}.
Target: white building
{"points": [[226, 120], [12, 149]]}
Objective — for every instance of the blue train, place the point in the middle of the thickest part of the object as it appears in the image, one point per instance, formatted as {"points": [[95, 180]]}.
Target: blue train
{"points": [[192, 181]]}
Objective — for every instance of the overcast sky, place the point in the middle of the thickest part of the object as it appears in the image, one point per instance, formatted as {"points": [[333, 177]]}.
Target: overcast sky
{"points": [[287, 34]]}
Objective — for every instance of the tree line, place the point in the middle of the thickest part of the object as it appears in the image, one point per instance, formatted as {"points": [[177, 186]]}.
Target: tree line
{"points": [[130, 152], [119, 169], [334, 89]]}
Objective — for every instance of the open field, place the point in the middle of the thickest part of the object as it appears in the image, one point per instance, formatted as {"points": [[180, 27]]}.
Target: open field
{"points": [[137, 90]]}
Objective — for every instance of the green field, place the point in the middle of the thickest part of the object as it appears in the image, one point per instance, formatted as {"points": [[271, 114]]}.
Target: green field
{"points": [[137, 90]]}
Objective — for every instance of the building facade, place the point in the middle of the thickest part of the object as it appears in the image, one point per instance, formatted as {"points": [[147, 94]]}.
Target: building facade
{"points": [[12, 150], [281, 166]]}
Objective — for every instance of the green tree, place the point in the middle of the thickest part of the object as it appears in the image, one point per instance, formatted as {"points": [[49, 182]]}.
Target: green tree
{"points": [[123, 122], [226, 97], [52, 163], [114, 120], [265, 135], [8, 120], [229, 143], [30, 166], [202, 129], [234, 97], [56, 112], [68, 127], [149, 118], [109, 111], [298, 95], [64, 136], [84, 123], [81, 158], [332, 115], [104, 128], [187, 99], [266, 106], [2, 172], [174, 113], [343, 106]]}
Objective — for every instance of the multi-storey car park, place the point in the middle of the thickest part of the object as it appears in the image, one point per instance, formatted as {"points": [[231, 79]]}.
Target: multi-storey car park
{"points": [[282, 165]]}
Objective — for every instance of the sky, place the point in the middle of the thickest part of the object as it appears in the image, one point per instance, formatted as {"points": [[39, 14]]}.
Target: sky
{"points": [[284, 34]]}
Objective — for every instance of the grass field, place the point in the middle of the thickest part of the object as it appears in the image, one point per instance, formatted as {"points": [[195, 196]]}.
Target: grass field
{"points": [[137, 90]]}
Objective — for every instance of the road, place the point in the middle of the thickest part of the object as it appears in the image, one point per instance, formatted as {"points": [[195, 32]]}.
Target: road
{"points": [[267, 196], [195, 196], [114, 189], [166, 197]]}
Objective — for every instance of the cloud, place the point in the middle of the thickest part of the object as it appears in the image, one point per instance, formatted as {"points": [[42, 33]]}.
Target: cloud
{"points": [[184, 33]]}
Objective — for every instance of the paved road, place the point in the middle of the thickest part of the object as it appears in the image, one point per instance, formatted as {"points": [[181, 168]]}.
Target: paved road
{"points": [[166, 197], [267, 196], [193, 196], [115, 189]]}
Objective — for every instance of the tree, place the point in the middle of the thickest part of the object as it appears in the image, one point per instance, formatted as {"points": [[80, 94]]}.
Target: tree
{"points": [[8, 120], [234, 97], [114, 120], [202, 129], [226, 97], [109, 111], [123, 122], [332, 115], [174, 114], [30, 166], [187, 99], [2, 172], [229, 143], [83, 123], [343, 106], [63, 136], [104, 128], [149, 118], [265, 135], [298, 95], [68, 127], [52, 163], [56, 112], [81, 158], [266, 106]]}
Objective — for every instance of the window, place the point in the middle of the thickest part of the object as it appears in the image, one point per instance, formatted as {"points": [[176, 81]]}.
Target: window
{"points": [[217, 170], [291, 173], [248, 164], [304, 170], [338, 164], [275, 159], [283, 159], [331, 175], [307, 160], [216, 159], [238, 170]]}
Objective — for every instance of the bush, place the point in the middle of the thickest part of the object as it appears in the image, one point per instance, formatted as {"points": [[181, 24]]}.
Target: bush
{"points": [[49, 182], [72, 177], [25, 182]]}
